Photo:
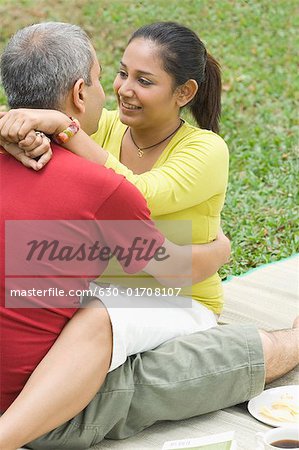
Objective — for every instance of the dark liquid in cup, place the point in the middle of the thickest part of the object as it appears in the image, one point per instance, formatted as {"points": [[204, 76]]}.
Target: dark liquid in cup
{"points": [[286, 443]]}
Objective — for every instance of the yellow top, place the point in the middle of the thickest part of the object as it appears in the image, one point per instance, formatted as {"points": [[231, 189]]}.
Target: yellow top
{"points": [[188, 182]]}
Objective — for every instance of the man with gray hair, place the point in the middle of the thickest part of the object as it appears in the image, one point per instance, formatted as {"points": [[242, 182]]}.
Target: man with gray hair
{"points": [[27, 88], [54, 66], [42, 64]]}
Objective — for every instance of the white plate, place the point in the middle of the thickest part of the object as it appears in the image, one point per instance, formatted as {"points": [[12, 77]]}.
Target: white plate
{"points": [[268, 397]]}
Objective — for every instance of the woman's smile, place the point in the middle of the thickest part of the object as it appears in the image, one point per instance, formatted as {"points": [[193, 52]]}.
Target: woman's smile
{"points": [[128, 106]]}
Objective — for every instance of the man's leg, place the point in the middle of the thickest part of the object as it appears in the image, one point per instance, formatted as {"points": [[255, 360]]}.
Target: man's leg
{"points": [[281, 350], [185, 377]]}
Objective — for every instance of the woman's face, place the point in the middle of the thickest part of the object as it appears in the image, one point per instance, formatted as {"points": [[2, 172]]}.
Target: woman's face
{"points": [[144, 91]]}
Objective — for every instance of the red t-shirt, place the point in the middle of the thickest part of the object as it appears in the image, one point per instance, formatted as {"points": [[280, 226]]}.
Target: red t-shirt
{"points": [[69, 188]]}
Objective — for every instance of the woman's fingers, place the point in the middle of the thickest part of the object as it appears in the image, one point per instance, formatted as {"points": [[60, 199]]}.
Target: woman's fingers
{"points": [[224, 240], [35, 144], [40, 147], [44, 159], [29, 162], [30, 142], [10, 128], [19, 155], [15, 125], [28, 126]]}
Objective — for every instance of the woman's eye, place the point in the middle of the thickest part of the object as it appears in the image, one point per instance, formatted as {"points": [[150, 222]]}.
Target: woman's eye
{"points": [[145, 82], [122, 74]]}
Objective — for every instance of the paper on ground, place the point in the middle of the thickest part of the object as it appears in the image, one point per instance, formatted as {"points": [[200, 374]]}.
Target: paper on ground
{"points": [[222, 441]]}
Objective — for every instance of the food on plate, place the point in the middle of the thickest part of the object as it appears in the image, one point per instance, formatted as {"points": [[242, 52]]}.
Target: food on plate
{"points": [[284, 409]]}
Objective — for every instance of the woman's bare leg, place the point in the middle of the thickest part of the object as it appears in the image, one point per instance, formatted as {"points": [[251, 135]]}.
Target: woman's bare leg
{"points": [[64, 382]]}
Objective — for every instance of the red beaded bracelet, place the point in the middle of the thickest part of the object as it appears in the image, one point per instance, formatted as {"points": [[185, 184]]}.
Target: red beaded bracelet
{"points": [[69, 132]]}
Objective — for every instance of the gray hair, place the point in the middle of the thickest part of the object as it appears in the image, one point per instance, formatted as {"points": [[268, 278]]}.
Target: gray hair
{"points": [[42, 62]]}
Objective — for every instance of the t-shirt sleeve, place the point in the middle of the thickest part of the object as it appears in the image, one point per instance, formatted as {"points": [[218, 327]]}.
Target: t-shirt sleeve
{"points": [[195, 172], [127, 229]]}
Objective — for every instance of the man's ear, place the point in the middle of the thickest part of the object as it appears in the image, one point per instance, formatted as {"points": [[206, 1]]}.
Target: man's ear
{"points": [[78, 95], [186, 92]]}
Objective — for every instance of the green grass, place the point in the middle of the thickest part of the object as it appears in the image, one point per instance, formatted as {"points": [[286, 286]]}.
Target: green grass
{"points": [[255, 42]]}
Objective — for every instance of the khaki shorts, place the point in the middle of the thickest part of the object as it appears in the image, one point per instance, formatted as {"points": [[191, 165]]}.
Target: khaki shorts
{"points": [[185, 377]]}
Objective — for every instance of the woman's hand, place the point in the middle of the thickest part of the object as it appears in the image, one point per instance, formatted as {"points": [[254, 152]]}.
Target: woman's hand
{"points": [[19, 138], [35, 145], [16, 124], [225, 244]]}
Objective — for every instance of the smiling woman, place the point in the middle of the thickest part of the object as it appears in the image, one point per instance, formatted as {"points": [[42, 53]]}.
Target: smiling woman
{"points": [[180, 169]]}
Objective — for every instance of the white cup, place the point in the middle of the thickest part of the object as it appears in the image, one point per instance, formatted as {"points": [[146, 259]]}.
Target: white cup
{"points": [[265, 440]]}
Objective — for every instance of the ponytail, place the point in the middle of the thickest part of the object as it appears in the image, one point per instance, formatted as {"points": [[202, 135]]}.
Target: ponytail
{"points": [[206, 106]]}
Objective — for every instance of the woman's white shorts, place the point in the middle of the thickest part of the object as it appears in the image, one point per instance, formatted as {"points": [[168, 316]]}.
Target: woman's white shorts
{"points": [[143, 322]]}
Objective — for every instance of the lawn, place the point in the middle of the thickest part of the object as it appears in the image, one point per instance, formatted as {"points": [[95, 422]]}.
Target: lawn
{"points": [[256, 42]]}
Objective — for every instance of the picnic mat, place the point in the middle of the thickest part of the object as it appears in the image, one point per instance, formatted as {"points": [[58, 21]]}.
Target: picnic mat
{"points": [[266, 296]]}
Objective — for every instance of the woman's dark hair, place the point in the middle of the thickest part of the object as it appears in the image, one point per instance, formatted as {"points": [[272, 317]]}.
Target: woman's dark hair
{"points": [[185, 57]]}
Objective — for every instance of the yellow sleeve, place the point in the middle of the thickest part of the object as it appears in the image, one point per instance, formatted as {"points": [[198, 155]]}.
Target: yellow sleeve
{"points": [[196, 171]]}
